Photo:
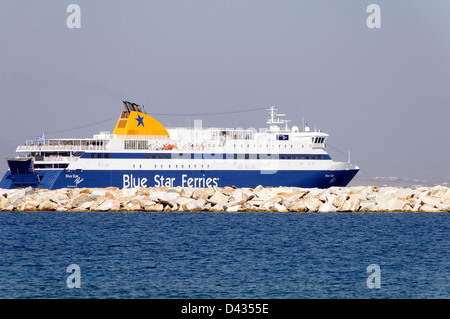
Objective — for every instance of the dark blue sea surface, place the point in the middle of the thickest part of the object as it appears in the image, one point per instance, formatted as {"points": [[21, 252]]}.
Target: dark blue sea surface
{"points": [[224, 255]]}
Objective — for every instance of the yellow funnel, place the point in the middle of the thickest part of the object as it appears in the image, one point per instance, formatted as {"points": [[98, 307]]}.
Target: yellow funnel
{"points": [[137, 123]]}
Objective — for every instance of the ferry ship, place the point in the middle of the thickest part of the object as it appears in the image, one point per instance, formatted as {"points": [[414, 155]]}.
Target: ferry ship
{"points": [[141, 152]]}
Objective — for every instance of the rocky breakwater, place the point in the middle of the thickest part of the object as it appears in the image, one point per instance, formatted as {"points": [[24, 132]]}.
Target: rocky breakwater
{"points": [[230, 199]]}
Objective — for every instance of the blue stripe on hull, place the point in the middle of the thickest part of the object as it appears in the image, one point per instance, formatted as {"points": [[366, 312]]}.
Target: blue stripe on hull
{"points": [[53, 179], [6, 182]]}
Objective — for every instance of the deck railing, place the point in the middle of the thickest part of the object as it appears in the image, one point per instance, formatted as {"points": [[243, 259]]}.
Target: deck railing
{"points": [[38, 148]]}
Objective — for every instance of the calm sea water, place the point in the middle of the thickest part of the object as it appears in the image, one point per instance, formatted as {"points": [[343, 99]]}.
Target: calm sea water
{"points": [[224, 255]]}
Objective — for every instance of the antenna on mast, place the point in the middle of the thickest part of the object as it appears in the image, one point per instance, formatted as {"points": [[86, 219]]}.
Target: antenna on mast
{"points": [[303, 120], [286, 127]]}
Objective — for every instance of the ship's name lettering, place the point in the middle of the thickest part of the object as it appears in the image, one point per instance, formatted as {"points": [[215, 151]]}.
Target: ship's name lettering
{"points": [[129, 181], [161, 181], [199, 181], [72, 176]]}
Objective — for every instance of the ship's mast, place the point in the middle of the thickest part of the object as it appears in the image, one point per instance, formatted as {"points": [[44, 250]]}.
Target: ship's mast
{"points": [[275, 119]]}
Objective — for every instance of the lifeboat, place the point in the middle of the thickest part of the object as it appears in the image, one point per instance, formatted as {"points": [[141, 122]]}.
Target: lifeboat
{"points": [[169, 146]]}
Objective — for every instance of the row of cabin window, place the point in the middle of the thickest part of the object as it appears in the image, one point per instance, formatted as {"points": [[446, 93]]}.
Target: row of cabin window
{"points": [[100, 155], [176, 166], [52, 165], [142, 146], [216, 156], [315, 140]]}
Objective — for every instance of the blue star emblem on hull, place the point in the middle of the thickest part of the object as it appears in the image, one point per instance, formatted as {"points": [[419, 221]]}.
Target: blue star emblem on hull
{"points": [[140, 120]]}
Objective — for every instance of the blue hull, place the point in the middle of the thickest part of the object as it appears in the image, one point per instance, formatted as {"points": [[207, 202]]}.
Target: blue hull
{"points": [[54, 179]]}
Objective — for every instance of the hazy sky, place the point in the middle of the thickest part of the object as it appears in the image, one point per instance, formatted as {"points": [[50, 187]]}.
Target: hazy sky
{"points": [[381, 93]]}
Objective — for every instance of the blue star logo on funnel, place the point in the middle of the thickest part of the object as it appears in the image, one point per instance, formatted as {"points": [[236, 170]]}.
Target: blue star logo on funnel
{"points": [[140, 120]]}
